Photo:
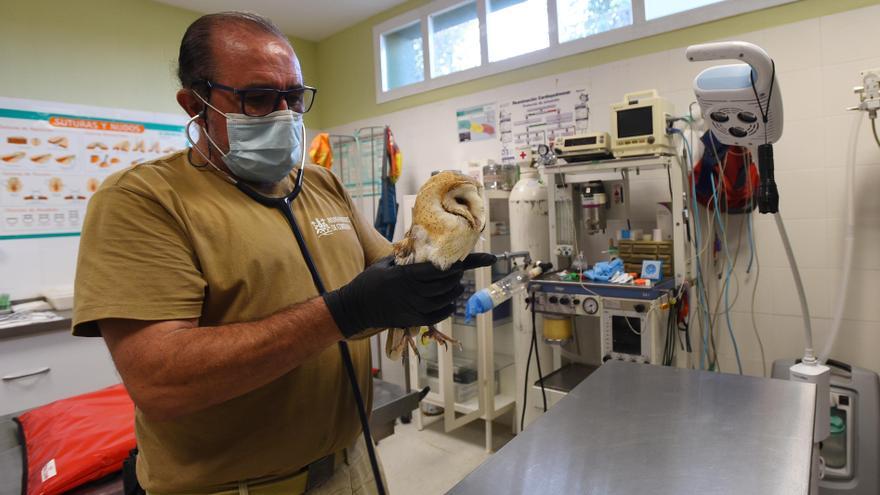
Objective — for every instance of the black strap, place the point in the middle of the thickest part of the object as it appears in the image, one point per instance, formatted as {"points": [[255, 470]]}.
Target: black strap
{"points": [[320, 471], [130, 485], [283, 204], [22, 440]]}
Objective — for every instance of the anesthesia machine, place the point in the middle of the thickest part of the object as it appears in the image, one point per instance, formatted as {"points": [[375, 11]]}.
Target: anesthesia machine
{"points": [[619, 290]]}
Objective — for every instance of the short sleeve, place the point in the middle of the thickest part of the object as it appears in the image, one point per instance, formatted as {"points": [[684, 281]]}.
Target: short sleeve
{"points": [[135, 262], [375, 246]]}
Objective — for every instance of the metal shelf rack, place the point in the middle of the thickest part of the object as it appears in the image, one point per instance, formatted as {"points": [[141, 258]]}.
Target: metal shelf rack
{"points": [[581, 172]]}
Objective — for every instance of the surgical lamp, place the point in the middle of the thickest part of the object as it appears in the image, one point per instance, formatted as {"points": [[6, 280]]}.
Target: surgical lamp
{"points": [[742, 105]]}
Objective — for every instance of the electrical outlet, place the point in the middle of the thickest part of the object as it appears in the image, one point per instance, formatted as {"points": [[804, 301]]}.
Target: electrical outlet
{"points": [[869, 91]]}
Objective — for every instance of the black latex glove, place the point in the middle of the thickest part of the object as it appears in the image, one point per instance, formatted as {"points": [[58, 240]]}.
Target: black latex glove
{"points": [[386, 295]]}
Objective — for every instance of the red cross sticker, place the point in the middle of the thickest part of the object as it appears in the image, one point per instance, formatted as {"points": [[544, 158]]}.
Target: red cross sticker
{"points": [[522, 154]]}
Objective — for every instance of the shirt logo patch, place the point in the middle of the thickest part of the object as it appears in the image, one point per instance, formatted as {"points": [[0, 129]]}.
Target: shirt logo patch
{"points": [[330, 225]]}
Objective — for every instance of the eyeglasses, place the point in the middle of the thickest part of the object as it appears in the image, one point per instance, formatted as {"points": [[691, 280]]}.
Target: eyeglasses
{"points": [[258, 102]]}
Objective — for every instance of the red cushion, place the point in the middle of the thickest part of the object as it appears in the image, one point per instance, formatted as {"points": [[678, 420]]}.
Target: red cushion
{"points": [[73, 441]]}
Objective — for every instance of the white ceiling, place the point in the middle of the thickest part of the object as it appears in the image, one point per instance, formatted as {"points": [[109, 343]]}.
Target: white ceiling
{"points": [[307, 19]]}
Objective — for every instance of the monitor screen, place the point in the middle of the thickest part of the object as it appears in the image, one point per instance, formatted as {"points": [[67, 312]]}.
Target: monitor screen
{"points": [[580, 141], [626, 335], [635, 122]]}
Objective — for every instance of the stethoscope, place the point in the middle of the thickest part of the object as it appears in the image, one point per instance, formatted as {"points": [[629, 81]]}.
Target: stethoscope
{"points": [[284, 205]]}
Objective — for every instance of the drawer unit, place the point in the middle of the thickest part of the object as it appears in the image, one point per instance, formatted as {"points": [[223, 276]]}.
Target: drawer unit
{"points": [[42, 367], [633, 253]]}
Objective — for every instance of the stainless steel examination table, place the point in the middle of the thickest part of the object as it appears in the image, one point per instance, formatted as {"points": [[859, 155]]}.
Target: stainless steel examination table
{"points": [[637, 429]]}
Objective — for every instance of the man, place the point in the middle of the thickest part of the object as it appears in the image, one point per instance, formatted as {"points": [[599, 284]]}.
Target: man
{"points": [[207, 303]]}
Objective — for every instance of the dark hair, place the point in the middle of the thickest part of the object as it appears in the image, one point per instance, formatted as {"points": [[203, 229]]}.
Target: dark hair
{"points": [[195, 63]]}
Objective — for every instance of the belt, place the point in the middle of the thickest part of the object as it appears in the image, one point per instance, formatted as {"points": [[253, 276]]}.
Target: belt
{"points": [[307, 478], [298, 483]]}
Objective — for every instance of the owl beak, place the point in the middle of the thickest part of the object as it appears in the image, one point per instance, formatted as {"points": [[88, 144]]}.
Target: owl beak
{"points": [[461, 210], [470, 219]]}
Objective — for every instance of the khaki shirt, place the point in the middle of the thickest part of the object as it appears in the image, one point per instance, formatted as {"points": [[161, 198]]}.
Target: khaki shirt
{"points": [[167, 241]]}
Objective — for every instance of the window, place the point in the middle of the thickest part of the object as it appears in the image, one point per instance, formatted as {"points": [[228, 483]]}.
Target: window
{"points": [[515, 27], [578, 18], [661, 8], [403, 57], [455, 40], [446, 42]]}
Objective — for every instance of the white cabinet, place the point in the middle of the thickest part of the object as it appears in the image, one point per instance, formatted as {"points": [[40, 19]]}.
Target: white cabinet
{"points": [[57, 365], [487, 348]]}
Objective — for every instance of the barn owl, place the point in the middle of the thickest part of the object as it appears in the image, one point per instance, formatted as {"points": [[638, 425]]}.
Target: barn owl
{"points": [[448, 218]]}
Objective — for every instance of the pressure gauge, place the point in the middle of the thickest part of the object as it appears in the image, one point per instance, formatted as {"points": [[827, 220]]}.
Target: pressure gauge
{"points": [[543, 150], [591, 306]]}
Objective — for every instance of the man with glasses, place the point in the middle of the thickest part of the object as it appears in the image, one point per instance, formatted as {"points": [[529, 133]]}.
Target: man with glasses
{"points": [[207, 303]]}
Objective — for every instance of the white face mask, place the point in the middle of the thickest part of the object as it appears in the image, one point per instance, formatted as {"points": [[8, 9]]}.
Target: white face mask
{"points": [[261, 149]]}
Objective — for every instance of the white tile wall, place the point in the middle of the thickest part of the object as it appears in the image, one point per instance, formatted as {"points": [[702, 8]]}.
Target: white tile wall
{"points": [[818, 61], [836, 136], [28, 266], [849, 36], [798, 45], [791, 146], [801, 92]]}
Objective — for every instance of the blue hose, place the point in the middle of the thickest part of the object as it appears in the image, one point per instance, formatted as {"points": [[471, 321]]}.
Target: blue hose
{"points": [[726, 279], [702, 295]]}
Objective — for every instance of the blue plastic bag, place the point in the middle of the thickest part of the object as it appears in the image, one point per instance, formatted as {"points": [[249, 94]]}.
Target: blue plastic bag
{"points": [[604, 270]]}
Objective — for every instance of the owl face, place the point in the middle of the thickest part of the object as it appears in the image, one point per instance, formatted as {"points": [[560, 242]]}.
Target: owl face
{"points": [[464, 199], [448, 217], [452, 200]]}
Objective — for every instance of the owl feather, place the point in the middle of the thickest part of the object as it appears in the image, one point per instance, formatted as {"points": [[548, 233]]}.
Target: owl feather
{"points": [[448, 217]]}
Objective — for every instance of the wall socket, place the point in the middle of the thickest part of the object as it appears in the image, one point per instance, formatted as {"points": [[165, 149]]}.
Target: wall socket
{"points": [[869, 92]]}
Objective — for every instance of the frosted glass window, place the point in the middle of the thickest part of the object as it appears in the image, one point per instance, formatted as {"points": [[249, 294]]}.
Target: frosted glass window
{"points": [[516, 27], [661, 8], [403, 60], [581, 18], [455, 40]]}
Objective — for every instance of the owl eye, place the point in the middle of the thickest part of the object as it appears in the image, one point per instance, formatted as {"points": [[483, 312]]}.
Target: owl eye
{"points": [[461, 201]]}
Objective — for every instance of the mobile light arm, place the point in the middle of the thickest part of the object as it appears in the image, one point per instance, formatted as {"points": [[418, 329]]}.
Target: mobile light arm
{"points": [[742, 105], [754, 55]]}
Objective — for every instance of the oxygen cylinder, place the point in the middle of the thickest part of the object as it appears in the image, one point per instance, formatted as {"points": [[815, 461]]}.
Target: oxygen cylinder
{"points": [[529, 231], [529, 218]]}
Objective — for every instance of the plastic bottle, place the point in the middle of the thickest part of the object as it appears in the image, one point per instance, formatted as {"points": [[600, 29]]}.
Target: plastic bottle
{"points": [[502, 290]]}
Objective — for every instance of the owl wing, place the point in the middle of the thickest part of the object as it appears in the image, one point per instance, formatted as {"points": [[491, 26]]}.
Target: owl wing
{"points": [[404, 252], [394, 343], [405, 249]]}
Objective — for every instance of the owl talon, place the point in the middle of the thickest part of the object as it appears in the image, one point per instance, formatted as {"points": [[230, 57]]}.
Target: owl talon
{"points": [[442, 338], [412, 345], [407, 342]]}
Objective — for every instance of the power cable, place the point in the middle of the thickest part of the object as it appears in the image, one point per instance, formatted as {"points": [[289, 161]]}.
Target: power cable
{"points": [[874, 131], [753, 254], [702, 294], [533, 346]]}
